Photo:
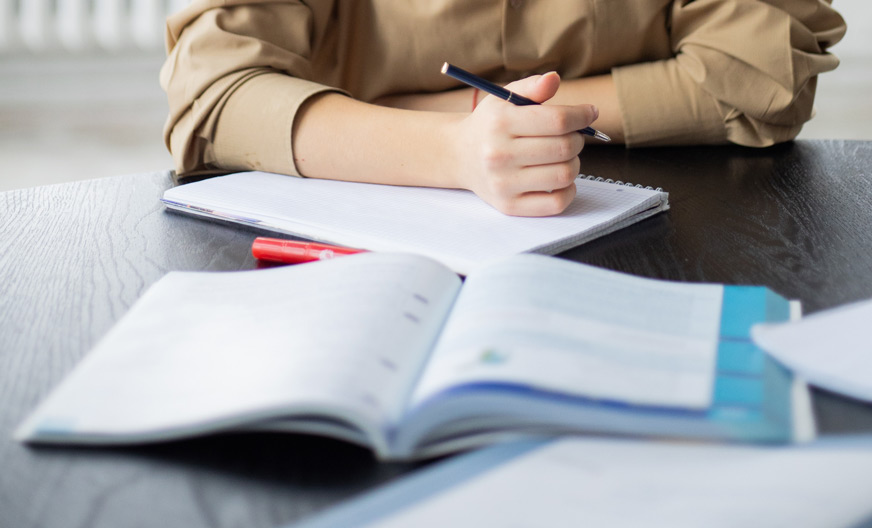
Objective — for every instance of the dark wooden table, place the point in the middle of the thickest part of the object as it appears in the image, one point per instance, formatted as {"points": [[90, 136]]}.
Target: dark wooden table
{"points": [[74, 257]]}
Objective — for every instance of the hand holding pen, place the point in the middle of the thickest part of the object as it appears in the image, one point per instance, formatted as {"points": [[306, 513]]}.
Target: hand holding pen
{"points": [[507, 95], [522, 158]]}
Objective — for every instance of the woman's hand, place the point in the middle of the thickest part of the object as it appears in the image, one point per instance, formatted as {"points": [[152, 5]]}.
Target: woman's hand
{"points": [[523, 160]]}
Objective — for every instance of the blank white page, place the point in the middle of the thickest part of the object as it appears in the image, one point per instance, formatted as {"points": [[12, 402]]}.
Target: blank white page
{"points": [[452, 226]]}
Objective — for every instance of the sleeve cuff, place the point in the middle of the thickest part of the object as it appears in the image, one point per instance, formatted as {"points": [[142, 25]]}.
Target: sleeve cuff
{"points": [[255, 128], [662, 106]]}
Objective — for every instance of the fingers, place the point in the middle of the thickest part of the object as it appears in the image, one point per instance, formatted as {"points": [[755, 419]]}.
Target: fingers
{"points": [[527, 151], [525, 158], [553, 156], [534, 178], [545, 178], [538, 203], [547, 120], [540, 190], [518, 175], [539, 88], [535, 120]]}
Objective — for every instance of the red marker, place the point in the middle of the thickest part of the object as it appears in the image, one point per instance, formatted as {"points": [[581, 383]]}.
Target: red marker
{"points": [[295, 252]]}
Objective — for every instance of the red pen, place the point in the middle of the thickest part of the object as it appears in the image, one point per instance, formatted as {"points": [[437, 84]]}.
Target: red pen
{"points": [[295, 252]]}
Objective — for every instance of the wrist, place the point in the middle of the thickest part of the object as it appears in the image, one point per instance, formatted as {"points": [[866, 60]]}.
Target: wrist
{"points": [[449, 149]]}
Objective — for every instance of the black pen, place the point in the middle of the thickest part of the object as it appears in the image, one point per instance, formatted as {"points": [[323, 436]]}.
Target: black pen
{"points": [[486, 86]]}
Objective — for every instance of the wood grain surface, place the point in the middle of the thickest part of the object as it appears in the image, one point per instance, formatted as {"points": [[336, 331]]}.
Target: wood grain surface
{"points": [[74, 257]]}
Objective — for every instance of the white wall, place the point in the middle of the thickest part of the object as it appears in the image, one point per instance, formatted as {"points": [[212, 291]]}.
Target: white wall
{"points": [[858, 39], [844, 97]]}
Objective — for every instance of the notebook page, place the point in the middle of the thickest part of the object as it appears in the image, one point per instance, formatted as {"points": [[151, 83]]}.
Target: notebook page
{"points": [[564, 327], [453, 226], [202, 348]]}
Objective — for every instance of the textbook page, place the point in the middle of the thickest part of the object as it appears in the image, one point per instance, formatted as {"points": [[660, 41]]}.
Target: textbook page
{"points": [[564, 327], [452, 226], [208, 350], [627, 483], [831, 349]]}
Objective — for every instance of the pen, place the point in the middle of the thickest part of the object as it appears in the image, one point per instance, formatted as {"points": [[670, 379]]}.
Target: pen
{"points": [[486, 86], [295, 252]]}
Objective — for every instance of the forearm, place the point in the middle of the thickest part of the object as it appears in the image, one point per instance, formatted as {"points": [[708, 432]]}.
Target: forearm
{"points": [[599, 91], [521, 160], [339, 138]]}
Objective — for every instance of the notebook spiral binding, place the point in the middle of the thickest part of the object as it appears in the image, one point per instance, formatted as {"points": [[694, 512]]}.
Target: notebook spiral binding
{"points": [[619, 182]]}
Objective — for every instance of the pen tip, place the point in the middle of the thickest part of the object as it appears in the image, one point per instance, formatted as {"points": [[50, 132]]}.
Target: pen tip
{"points": [[444, 67], [600, 135]]}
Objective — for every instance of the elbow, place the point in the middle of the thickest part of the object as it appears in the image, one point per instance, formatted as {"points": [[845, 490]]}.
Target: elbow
{"points": [[777, 122], [190, 151], [756, 134], [182, 148]]}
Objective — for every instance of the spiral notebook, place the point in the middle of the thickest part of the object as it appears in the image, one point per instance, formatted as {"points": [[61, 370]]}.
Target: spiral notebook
{"points": [[452, 226]]}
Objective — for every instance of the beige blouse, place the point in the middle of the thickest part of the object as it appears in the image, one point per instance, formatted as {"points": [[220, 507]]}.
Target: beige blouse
{"points": [[686, 71]]}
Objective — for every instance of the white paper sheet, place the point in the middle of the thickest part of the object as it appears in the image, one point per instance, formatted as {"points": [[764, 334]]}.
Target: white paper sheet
{"points": [[616, 483], [831, 349]]}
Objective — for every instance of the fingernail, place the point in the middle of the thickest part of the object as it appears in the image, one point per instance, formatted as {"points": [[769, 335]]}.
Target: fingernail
{"points": [[595, 112]]}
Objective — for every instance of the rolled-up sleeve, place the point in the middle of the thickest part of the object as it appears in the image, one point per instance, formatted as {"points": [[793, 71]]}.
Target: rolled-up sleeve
{"points": [[235, 75], [743, 71]]}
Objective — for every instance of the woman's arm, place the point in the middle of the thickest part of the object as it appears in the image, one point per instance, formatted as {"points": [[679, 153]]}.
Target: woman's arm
{"points": [[598, 91], [239, 100], [742, 72], [521, 160]]}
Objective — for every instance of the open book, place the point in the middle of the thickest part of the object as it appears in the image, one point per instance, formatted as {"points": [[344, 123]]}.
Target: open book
{"points": [[452, 226], [395, 353]]}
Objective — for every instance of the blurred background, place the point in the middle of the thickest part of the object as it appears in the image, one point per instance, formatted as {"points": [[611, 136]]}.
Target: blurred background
{"points": [[79, 93]]}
